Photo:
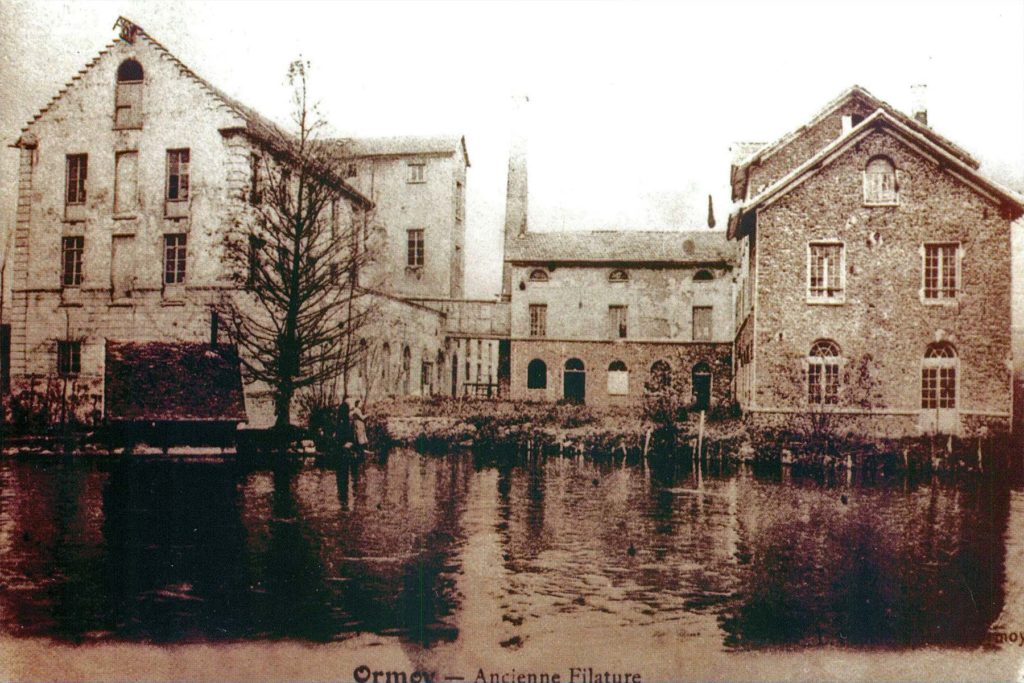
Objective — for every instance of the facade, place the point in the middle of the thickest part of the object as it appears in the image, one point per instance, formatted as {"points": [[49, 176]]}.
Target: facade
{"points": [[127, 180], [874, 281], [418, 186], [595, 316], [593, 313]]}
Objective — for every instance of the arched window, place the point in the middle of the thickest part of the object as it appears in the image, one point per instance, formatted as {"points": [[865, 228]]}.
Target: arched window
{"points": [[128, 98], [618, 378], [618, 276], [701, 382], [703, 276], [938, 377], [537, 374], [406, 369], [440, 370], [574, 381], [661, 376], [539, 275], [823, 373], [880, 182]]}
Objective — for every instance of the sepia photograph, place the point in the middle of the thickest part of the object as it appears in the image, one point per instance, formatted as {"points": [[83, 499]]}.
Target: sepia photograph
{"points": [[511, 342]]}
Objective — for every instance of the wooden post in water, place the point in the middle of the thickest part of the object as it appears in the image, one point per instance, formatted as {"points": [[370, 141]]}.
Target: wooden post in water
{"points": [[647, 441]]}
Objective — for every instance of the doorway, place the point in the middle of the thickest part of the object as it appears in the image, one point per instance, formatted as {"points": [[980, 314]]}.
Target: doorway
{"points": [[701, 386], [575, 381]]}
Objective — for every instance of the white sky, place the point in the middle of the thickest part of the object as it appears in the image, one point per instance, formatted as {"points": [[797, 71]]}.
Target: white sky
{"points": [[632, 107]]}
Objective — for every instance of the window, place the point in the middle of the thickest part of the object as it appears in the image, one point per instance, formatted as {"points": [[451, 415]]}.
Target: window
{"points": [[254, 181], [417, 173], [77, 171], [126, 182], [174, 259], [460, 201], [69, 358], [406, 369], [618, 378], [661, 376], [539, 275], [703, 276], [825, 276], [618, 321], [385, 367], [177, 175], [940, 271], [537, 374], [71, 261], [538, 320], [880, 182], [938, 377], [702, 323], [415, 256], [618, 276], [823, 373], [128, 99], [256, 245]]}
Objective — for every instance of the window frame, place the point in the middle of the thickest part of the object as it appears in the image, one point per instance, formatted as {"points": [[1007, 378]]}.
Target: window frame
{"points": [[937, 364], [538, 320], [81, 179], [957, 275], [417, 172], [179, 259], [77, 253], [618, 372], [415, 242], [179, 199], [122, 88], [69, 357], [710, 327], [868, 200], [618, 276], [811, 298], [618, 321], [539, 275], [820, 367]]}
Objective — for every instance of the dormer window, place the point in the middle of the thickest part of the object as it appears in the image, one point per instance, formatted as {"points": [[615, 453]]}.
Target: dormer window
{"points": [[128, 98], [539, 275], [618, 276], [880, 183]]}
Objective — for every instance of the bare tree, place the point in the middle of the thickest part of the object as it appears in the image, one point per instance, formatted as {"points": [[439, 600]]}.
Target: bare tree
{"points": [[295, 255]]}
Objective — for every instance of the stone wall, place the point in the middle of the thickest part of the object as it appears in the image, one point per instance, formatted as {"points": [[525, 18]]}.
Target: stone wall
{"points": [[598, 355], [884, 316]]}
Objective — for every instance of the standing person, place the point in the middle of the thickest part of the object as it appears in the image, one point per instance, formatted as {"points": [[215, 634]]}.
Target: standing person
{"points": [[359, 427], [343, 429]]}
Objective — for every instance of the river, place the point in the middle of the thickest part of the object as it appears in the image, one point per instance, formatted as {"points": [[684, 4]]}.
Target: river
{"points": [[459, 563]]}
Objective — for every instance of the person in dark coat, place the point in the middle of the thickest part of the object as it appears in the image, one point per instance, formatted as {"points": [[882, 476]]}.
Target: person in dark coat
{"points": [[343, 428]]}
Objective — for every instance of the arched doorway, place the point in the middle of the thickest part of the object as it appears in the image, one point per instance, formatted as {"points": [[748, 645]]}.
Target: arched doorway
{"points": [[701, 386], [575, 381]]}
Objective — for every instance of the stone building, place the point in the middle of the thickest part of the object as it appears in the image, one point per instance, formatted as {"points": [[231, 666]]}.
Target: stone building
{"points": [[596, 315], [127, 180], [874, 276]]}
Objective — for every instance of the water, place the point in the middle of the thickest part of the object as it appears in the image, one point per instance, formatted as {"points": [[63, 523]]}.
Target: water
{"points": [[430, 549]]}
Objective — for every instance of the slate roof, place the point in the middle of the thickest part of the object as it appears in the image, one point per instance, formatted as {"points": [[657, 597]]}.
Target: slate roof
{"points": [[620, 246], [407, 145], [1011, 202], [178, 381]]}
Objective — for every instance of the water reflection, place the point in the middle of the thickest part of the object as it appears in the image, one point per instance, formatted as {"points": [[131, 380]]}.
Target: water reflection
{"points": [[436, 548]]}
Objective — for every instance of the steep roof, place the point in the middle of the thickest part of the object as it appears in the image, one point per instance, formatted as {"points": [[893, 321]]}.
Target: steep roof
{"points": [[1011, 202], [255, 125], [619, 246], [183, 381], [406, 145], [858, 92]]}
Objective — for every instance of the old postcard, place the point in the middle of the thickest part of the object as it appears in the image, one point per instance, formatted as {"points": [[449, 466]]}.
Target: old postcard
{"points": [[511, 343]]}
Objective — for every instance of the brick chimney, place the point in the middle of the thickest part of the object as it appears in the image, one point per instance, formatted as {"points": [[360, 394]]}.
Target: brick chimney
{"points": [[919, 102], [516, 190]]}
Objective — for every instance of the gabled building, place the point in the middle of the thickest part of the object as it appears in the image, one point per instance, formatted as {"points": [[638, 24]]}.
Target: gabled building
{"points": [[874, 277], [128, 179]]}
